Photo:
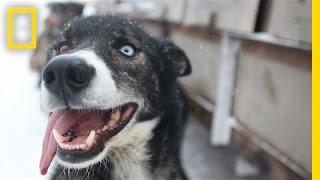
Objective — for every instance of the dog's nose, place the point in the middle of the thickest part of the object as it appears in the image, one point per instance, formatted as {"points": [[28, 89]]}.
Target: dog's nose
{"points": [[67, 73]]}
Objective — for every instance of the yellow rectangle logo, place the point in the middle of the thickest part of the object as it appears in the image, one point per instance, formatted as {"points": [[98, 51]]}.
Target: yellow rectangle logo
{"points": [[11, 43]]}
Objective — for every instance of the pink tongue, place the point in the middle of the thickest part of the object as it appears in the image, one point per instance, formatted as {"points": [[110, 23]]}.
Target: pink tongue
{"points": [[62, 121]]}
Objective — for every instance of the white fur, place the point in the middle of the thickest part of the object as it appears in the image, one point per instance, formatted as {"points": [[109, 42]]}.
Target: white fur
{"points": [[49, 102], [129, 153], [101, 93]]}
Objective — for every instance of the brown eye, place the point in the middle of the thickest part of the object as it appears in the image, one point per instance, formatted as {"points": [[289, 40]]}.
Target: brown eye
{"points": [[63, 48]]}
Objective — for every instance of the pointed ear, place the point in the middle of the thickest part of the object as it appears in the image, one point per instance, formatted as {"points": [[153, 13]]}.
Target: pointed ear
{"points": [[175, 58]]}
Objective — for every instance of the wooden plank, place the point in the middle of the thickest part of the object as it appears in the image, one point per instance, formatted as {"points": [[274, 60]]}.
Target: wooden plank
{"points": [[257, 152], [289, 19], [273, 99], [221, 127], [252, 149], [217, 14]]}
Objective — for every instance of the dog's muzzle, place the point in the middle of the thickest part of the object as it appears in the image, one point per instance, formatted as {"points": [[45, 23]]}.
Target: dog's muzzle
{"points": [[86, 108], [67, 75]]}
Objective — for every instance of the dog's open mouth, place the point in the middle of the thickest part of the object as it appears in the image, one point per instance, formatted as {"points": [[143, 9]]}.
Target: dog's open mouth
{"points": [[82, 134]]}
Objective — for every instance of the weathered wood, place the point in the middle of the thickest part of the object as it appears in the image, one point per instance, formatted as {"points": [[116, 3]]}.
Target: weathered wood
{"points": [[242, 18], [273, 98], [289, 19], [221, 127]]}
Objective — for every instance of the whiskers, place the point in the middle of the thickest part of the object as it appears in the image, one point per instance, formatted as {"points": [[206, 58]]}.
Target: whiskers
{"points": [[84, 173]]}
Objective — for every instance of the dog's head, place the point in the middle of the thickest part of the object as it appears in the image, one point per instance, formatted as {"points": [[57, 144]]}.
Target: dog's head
{"points": [[104, 76]]}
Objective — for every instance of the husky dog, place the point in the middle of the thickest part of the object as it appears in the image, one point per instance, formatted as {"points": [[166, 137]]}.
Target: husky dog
{"points": [[116, 109]]}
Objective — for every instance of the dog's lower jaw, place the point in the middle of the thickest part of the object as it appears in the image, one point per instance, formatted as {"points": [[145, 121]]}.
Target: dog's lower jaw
{"points": [[99, 158], [127, 154]]}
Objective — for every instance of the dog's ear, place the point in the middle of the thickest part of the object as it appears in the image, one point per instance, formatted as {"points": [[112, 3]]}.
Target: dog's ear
{"points": [[175, 58]]}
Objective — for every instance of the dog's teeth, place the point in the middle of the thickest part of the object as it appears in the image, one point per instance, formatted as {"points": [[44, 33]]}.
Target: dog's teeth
{"points": [[112, 122], [82, 146], [90, 138], [58, 137], [99, 131], [115, 115], [105, 127], [63, 146]]}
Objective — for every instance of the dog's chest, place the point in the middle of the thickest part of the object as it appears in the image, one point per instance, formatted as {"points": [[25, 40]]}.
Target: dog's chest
{"points": [[130, 164], [130, 156]]}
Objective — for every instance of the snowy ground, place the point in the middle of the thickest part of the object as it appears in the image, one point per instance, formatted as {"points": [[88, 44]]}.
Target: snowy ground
{"points": [[22, 122]]}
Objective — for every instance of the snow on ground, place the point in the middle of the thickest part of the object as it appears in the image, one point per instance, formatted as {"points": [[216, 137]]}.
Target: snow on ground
{"points": [[22, 123]]}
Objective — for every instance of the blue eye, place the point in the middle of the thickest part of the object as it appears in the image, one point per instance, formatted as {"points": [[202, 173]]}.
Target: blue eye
{"points": [[127, 50]]}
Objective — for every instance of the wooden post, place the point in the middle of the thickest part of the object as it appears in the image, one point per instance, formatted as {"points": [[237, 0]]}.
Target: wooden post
{"points": [[221, 124]]}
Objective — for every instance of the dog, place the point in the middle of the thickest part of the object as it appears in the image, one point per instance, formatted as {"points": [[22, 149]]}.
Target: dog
{"points": [[116, 109]]}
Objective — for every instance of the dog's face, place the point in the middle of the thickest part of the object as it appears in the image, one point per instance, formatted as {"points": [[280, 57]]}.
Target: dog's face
{"points": [[104, 76]]}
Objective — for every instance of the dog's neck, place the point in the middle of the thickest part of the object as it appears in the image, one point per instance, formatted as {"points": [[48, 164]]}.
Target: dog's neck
{"points": [[129, 155]]}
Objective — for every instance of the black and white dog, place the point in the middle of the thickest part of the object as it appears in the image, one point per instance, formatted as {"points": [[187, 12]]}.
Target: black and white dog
{"points": [[116, 109]]}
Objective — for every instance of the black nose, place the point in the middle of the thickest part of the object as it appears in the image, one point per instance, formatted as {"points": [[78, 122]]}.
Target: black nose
{"points": [[67, 74]]}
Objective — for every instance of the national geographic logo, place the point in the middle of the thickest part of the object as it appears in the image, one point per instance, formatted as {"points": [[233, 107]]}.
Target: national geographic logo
{"points": [[29, 13]]}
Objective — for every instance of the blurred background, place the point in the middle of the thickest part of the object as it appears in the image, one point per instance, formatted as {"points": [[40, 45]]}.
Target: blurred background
{"points": [[249, 92]]}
